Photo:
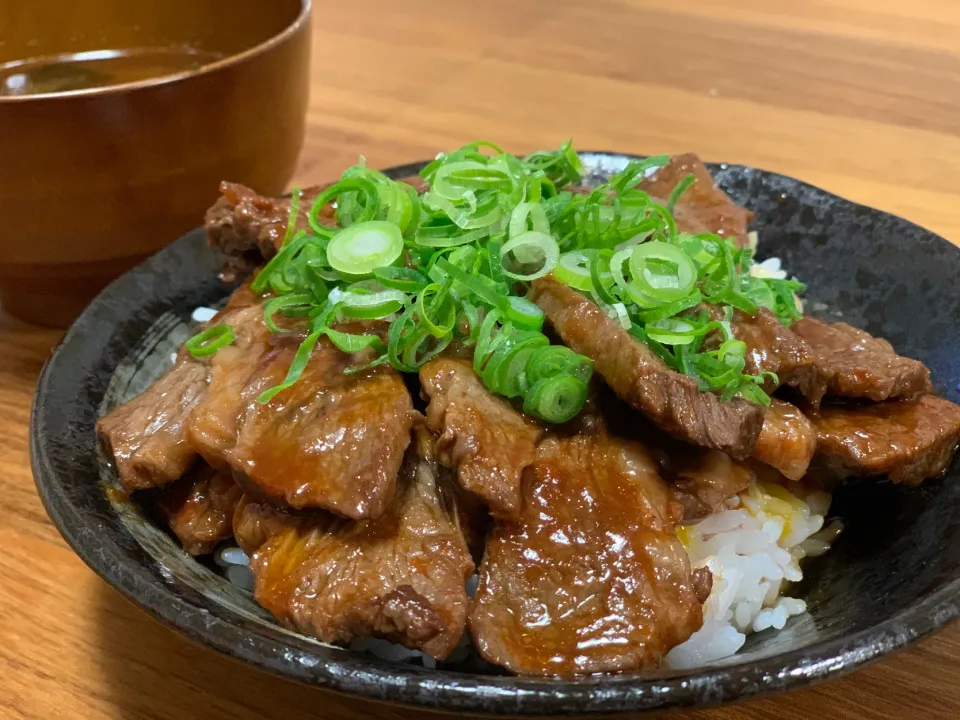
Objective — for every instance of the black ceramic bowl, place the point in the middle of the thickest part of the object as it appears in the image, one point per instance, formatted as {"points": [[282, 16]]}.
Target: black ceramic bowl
{"points": [[891, 578]]}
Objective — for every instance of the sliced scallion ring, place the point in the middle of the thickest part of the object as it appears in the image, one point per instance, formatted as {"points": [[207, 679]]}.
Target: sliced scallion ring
{"points": [[537, 251], [524, 314], [399, 278], [672, 331], [372, 305], [531, 212], [284, 303], [350, 343], [476, 286], [556, 399], [662, 271], [573, 269], [362, 248], [209, 341], [436, 309]]}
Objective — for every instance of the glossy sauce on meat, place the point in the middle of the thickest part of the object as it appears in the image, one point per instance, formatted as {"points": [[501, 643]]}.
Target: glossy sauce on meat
{"points": [[591, 577], [400, 576], [909, 441], [771, 347], [147, 436], [332, 440], [236, 380], [703, 481], [671, 400], [200, 507], [481, 435], [859, 365], [787, 441], [703, 207]]}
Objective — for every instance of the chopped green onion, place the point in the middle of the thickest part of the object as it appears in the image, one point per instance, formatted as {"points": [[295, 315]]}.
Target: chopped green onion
{"points": [[556, 399], [454, 263], [278, 261], [362, 248], [574, 269], [678, 190], [292, 217], [662, 271], [476, 286], [524, 314], [468, 325], [436, 299], [209, 341], [672, 331], [370, 205], [485, 337], [402, 333], [350, 343], [531, 248], [557, 360], [670, 309], [403, 279], [299, 364], [504, 370], [425, 348], [284, 303], [601, 278], [532, 212], [371, 306]]}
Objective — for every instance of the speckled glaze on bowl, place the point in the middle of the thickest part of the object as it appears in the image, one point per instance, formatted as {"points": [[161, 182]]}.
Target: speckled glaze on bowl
{"points": [[891, 578]]}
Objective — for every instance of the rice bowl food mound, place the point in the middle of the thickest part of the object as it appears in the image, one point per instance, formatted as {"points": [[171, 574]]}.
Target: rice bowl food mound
{"points": [[753, 549], [511, 415]]}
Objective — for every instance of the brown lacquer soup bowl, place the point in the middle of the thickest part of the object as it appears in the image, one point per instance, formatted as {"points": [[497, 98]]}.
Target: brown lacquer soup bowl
{"points": [[119, 119], [892, 576]]}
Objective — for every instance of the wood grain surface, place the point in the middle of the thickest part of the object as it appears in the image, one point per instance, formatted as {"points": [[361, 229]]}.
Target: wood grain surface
{"points": [[861, 97]]}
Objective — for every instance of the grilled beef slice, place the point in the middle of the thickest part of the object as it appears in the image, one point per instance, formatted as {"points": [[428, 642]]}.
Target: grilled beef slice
{"points": [[771, 347], [703, 480], [673, 401], [147, 436], [249, 228], [703, 207], [400, 576], [858, 365], [591, 577], [237, 378], [787, 441], [199, 508], [333, 440], [480, 435], [908, 440]]}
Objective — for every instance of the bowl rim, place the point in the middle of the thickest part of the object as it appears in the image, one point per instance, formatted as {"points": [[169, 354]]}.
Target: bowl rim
{"points": [[449, 690], [302, 18]]}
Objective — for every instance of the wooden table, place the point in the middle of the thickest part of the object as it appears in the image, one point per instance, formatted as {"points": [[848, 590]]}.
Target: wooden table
{"points": [[858, 96]]}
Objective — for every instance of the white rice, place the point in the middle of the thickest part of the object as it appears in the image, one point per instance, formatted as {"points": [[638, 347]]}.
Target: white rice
{"points": [[753, 549], [235, 564]]}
